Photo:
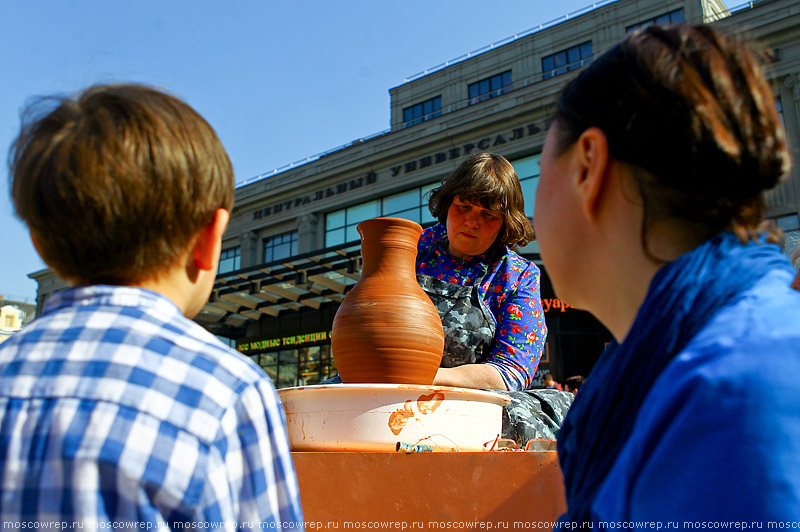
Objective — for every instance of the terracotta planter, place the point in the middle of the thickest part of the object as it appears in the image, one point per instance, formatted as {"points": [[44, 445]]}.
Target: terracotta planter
{"points": [[387, 330]]}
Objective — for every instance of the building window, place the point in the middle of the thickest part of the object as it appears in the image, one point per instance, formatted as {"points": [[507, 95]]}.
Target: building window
{"points": [[230, 342], [779, 107], [489, 87], [297, 367], [416, 114], [230, 260], [412, 204], [790, 225], [528, 172], [566, 60], [673, 17], [280, 247]]}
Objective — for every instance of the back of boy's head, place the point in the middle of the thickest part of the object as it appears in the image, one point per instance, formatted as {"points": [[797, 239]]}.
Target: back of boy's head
{"points": [[115, 182]]}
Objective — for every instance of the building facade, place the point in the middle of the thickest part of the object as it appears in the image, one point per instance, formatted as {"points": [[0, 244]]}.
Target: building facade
{"points": [[291, 251], [13, 315]]}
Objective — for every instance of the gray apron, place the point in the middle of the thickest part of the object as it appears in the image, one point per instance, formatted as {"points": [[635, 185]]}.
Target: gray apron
{"points": [[469, 333], [468, 324]]}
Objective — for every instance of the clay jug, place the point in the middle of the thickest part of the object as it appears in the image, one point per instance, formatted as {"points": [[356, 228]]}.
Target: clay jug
{"points": [[387, 330]]}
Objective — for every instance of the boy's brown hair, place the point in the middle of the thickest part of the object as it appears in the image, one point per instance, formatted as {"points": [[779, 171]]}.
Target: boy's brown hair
{"points": [[115, 182]]}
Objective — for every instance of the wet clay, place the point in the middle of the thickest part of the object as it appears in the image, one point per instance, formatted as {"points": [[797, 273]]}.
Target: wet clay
{"points": [[427, 404], [399, 418]]}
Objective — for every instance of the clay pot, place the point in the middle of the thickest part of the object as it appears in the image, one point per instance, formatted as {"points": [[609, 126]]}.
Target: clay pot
{"points": [[387, 330]]}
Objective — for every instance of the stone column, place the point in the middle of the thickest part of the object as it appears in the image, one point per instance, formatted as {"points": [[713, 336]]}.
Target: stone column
{"points": [[307, 233], [249, 243], [792, 81]]}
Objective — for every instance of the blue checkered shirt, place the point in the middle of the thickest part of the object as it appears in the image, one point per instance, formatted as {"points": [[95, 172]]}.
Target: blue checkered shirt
{"points": [[117, 411]]}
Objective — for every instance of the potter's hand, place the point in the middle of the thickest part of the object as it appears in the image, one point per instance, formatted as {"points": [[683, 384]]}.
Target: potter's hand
{"points": [[478, 376]]}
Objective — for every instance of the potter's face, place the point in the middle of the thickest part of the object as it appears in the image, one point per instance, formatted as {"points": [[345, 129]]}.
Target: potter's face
{"points": [[555, 217], [471, 229]]}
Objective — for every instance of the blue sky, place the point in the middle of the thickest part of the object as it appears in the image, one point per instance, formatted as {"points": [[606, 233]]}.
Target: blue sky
{"points": [[279, 80]]}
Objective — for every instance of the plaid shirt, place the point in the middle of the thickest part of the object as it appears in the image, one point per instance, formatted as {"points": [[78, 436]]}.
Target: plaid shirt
{"points": [[116, 410]]}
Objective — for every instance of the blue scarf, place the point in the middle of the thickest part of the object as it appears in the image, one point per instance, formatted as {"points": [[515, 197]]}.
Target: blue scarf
{"points": [[683, 297]]}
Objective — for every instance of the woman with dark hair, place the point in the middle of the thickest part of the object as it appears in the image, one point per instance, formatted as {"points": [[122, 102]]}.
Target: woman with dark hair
{"points": [[486, 294], [655, 168]]}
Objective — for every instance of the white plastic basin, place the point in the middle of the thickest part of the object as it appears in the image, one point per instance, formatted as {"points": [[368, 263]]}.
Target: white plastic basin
{"points": [[376, 417]]}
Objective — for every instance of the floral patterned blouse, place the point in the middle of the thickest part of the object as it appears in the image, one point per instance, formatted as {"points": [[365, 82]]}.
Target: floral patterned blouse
{"points": [[510, 290]]}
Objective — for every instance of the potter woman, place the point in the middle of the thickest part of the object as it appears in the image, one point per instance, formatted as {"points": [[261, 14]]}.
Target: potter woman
{"points": [[486, 294], [655, 169]]}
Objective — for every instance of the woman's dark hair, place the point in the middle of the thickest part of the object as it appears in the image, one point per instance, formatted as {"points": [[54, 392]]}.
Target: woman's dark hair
{"points": [[691, 111], [490, 181]]}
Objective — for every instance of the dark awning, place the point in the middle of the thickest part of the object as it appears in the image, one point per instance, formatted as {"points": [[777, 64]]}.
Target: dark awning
{"points": [[303, 281]]}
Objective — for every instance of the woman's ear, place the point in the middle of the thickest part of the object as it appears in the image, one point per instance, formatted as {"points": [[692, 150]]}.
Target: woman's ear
{"points": [[208, 243], [593, 158]]}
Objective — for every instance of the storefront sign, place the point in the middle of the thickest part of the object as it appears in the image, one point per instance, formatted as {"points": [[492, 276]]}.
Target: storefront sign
{"points": [[487, 143], [483, 144], [298, 340], [553, 304], [327, 192]]}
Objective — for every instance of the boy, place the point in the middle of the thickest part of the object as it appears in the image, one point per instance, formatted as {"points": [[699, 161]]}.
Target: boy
{"points": [[116, 410]]}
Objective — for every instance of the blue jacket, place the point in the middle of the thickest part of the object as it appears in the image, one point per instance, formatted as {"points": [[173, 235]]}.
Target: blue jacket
{"points": [[718, 436]]}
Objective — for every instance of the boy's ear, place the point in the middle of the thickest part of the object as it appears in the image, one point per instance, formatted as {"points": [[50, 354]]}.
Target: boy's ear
{"points": [[209, 241], [593, 158]]}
